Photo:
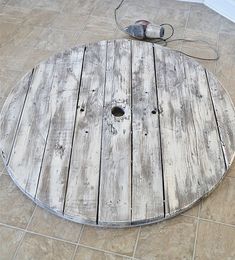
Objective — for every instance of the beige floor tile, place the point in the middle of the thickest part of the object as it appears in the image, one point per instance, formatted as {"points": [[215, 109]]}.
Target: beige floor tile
{"points": [[11, 14], [7, 30], [171, 239], [215, 241], [51, 4], [227, 26], [90, 254], [9, 241], [15, 208], [13, 34], [79, 7], [120, 241], [50, 39], [231, 171], [193, 211], [176, 17], [38, 247], [21, 3], [226, 46], [96, 24], [204, 19], [43, 4], [105, 8], [45, 223], [134, 11], [22, 59], [220, 204], [8, 79], [70, 22], [39, 17], [175, 4]]}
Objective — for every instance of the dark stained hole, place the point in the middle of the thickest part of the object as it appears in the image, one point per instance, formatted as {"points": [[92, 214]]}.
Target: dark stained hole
{"points": [[82, 109], [154, 112], [86, 132], [118, 111]]}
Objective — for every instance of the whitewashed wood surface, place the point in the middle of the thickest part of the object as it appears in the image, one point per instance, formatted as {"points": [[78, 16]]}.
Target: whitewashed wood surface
{"points": [[118, 133]]}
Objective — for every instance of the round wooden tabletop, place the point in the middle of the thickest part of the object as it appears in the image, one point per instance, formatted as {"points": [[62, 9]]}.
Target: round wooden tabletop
{"points": [[117, 133]]}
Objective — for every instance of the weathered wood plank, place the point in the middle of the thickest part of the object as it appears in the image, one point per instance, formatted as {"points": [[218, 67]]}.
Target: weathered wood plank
{"points": [[191, 147], [115, 172], [63, 106], [11, 114], [225, 115], [147, 189], [27, 152], [82, 193]]}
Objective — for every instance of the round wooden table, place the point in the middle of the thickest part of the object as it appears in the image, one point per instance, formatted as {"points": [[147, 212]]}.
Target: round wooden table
{"points": [[117, 133]]}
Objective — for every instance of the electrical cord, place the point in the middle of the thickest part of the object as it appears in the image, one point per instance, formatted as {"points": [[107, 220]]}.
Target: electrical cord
{"points": [[165, 41]]}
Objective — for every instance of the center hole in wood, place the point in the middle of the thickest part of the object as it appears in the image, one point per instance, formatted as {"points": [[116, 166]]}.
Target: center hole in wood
{"points": [[118, 111]]}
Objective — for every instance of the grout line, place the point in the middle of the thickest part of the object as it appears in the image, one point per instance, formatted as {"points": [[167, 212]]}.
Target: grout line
{"points": [[79, 238], [136, 242], [209, 220], [185, 27], [196, 234], [23, 236], [105, 251], [38, 234]]}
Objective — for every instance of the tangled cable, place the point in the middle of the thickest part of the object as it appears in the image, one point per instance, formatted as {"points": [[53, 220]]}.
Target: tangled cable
{"points": [[165, 41]]}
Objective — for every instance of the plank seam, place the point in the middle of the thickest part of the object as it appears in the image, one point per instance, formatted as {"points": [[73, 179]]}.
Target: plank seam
{"points": [[49, 127], [101, 141], [43, 155], [75, 119], [160, 136], [217, 123], [131, 60], [20, 117]]}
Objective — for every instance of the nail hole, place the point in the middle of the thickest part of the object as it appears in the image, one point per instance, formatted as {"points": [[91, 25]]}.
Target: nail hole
{"points": [[82, 109], [154, 112], [86, 132], [118, 111]]}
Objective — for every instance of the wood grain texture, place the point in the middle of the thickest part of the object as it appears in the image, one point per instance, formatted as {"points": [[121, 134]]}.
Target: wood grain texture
{"points": [[118, 133], [63, 105], [191, 152], [147, 185], [82, 192], [225, 116], [11, 114], [115, 172], [27, 152]]}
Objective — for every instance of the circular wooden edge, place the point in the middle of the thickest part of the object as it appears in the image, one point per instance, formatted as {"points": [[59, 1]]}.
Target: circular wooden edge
{"points": [[118, 225]]}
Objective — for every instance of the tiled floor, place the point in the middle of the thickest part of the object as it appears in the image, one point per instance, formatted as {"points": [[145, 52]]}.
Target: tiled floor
{"points": [[32, 30]]}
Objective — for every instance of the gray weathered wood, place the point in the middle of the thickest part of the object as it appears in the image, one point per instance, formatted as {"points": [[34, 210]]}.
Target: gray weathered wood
{"points": [[118, 133], [82, 192], [115, 172], [147, 189], [191, 152], [11, 114], [63, 105], [27, 152], [225, 116]]}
